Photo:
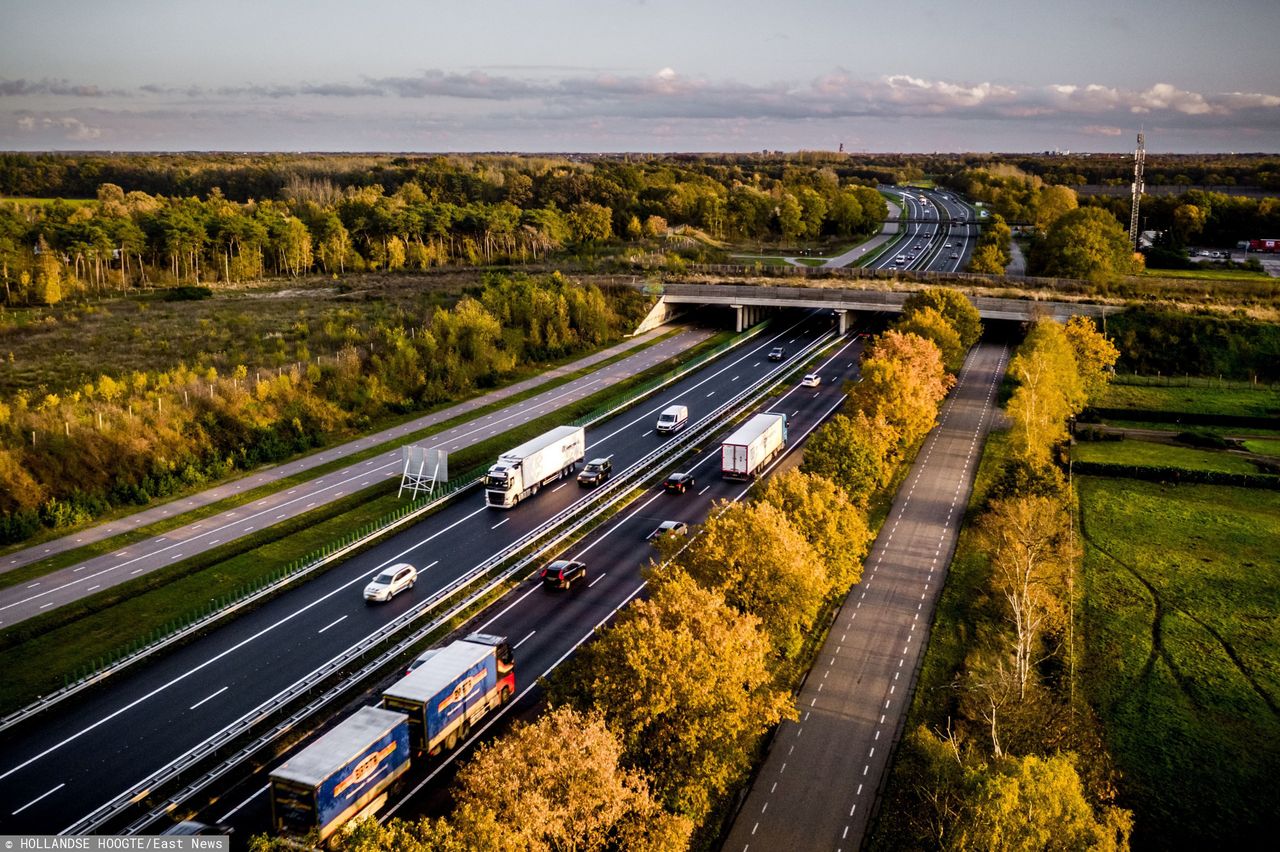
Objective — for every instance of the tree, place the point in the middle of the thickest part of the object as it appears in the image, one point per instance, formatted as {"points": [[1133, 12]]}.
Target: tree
{"points": [[932, 326], [987, 260], [559, 783], [832, 523], [1085, 243], [1035, 803], [751, 554], [1095, 355], [1048, 392], [1053, 202], [857, 453], [903, 381], [1030, 549], [954, 306], [684, 680], [590, 222]]}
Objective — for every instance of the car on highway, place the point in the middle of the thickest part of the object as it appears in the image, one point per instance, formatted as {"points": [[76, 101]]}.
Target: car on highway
{"points": [[948, 245], [390, 582], [562, 573], [678, 483], [776, 353], [596, 472], [812, 380], [667, 528], [955, 255]]}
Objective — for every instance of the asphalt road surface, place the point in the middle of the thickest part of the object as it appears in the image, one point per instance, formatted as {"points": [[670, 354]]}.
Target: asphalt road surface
{"points": [[817, 787], [546, 627], [66, 762], [74, 582]]}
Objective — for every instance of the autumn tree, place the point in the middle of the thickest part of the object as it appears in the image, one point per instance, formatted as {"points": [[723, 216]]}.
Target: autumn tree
{"points": [[759, 561], [684, 680], [1048, 391], [954, 306], [1085, 243], [1053, 202], [832, 523], [903, 381], [857, 453], [1028, 541], [932, 326], [590, 222], [1095, 355]]}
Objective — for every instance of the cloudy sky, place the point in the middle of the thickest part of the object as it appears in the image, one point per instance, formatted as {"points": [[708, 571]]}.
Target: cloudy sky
{"points": [[639, 75]]}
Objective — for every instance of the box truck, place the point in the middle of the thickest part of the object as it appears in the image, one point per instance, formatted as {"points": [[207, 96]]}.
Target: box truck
{"points": [[451, 688], [342, 775], [519, 473], [673, 418], [753, 445]]}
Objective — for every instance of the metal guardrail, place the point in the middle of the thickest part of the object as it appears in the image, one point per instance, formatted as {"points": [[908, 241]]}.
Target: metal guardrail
{"points": [[563, 524], [311, 563]]}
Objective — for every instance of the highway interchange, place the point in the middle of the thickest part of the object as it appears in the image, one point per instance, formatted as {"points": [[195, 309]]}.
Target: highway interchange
{"points": [[71, 759]]}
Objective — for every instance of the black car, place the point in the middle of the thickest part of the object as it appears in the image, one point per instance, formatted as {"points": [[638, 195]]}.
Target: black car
{"points": [[563, 573], [596, 472], [678, 483], [776, 353], [668, 528]]}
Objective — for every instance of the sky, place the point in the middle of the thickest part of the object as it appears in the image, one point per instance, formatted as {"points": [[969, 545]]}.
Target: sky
{"points": [[639, 75]]}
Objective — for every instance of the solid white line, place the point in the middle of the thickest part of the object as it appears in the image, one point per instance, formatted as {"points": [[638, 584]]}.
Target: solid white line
{"points": [[211, 697], [334, 623], [38, 798]]}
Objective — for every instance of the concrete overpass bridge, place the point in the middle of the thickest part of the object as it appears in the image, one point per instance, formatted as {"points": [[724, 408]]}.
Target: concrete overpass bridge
{"points": [[752, 301]]}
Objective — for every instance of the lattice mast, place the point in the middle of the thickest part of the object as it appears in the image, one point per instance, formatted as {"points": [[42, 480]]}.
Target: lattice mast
{"points": [[1139, 159]]}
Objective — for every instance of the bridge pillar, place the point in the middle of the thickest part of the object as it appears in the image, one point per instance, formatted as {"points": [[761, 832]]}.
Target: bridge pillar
{"points": [[842, 318], [739, 319]]}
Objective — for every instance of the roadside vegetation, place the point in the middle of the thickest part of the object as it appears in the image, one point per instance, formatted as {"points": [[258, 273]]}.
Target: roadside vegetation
{"points": [[744, 601]]}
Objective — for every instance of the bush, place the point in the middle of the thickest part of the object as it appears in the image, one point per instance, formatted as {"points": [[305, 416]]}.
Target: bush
{"points": [[187, 293], [1207, 440], [1179, 474]]}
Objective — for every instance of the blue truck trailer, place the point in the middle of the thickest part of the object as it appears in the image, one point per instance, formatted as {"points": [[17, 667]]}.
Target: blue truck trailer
{"points": [[342, 775], [451, 688]]}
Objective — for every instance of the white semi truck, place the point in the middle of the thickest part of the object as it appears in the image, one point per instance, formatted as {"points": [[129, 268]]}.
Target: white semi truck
{"points": [[753, 445], [520, 472]]}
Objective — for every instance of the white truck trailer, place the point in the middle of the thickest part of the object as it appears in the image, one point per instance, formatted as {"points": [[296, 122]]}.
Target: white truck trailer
{"points": [[520, 472], [753, 445]]}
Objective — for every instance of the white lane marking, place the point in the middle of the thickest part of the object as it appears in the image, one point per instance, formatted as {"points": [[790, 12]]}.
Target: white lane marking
{"points": [[704, 490], [597, 579], [499, 523], [38, 798], [210, 698], [432, 565], [334, 623], [525, 639], [558, 487], [229, 814]]}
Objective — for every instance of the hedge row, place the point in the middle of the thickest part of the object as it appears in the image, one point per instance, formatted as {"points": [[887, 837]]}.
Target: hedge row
{"points": [[1190, 419]]}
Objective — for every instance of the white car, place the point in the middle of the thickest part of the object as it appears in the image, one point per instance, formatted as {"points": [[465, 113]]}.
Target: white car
{"points": [[811, 381], [391, 581]]}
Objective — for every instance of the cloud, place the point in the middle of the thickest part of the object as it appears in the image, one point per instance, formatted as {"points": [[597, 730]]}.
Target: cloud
{"points": [[1102, 130], [69, 128], [22, 88]]}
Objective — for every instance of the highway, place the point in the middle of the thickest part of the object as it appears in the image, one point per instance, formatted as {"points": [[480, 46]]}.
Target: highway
{"points": [[817, 787], [67, 762], [59, 588], [924, 245], [546, 627]]}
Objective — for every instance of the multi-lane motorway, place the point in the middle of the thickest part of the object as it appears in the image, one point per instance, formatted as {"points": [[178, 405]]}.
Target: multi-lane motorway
{"points": [[936, 233], [67, 762]]}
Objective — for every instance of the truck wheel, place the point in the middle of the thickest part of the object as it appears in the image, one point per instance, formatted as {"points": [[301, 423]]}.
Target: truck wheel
{"points": [[451, 741], [504, 696]]}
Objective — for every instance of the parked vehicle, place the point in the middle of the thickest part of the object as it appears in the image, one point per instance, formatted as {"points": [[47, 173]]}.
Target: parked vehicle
{"points": [[753, 445], [776, 353], [678, 483], [451, 689], [596, 472], [562, 573], [668, 528], [390, 582], [520, 472], [342, 775], [673, 418], [1265, 246]]}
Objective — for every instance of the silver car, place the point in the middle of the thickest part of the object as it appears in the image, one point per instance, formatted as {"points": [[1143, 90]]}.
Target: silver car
{"points": [[390, 582]]}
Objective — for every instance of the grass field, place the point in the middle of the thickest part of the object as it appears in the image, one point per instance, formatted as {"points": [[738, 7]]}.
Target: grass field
{"points": [[1264, 446], [1207, 274], [1193, 400], [1226, 431], [1149, 454], [1182, 621]]}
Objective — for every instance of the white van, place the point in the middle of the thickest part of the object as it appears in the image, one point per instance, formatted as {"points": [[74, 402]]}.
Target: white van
{"points": [[673, 418]]}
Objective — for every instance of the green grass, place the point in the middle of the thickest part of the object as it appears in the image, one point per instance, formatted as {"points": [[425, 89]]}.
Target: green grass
{"points": [[1149, 454], [1182, 623], [1193, 400], [1206, 274], [1225, 431], [39, 654], [811, 261], [1264, 446]]}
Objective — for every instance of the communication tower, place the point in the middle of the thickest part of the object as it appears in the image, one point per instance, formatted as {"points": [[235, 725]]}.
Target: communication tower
{"points": [[1139, 158]]}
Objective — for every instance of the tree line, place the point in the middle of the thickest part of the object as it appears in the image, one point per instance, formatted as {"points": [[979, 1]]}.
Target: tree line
{"points": [[655, 724], [69, 456], [435, 212], [1013, 760]]}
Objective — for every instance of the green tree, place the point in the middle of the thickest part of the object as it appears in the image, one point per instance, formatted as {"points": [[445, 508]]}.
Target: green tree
{"points": [[857, 453], [1085, 243], [1052, 203], [832, 523], [954, 306], [590, 223], [987, 260], [685, 682]]}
